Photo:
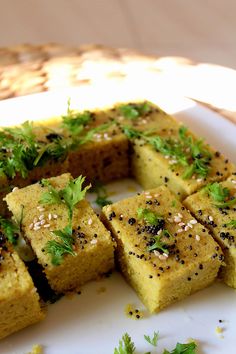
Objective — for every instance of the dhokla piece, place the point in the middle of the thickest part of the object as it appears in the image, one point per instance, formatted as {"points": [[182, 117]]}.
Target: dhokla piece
{"points": [[170, 154], [92, 252], [163, 252], [19, 301], [215, 207]]}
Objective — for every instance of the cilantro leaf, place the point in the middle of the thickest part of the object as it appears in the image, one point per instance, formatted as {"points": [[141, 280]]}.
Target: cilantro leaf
{"points": [[149, 216], [134, 110], [220, 195], [57, 249], [52, 196], [126, 346], [189, 348], [158, 245], [153, 340], [226, 204], [74, 122], [10, 229], [217, 192], [73, 193]]}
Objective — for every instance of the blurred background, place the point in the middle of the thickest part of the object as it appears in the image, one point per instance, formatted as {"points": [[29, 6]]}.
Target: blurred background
{"points": [[203, 30]]}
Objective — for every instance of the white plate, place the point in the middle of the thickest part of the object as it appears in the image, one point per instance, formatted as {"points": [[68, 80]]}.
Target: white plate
{"points": [[93, 322]]}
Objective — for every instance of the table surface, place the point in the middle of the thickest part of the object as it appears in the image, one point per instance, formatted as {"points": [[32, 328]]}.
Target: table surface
{"points": [[203, 30]]}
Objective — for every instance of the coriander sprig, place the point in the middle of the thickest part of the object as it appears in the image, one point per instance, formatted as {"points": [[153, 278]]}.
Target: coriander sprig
{"points": [[153, 341], [126, 346], [191, 154], [74, 122], [10, 229], [149, 216], [220, 195], [71, 195], [64, 246], [133, 111], [158, 244]]}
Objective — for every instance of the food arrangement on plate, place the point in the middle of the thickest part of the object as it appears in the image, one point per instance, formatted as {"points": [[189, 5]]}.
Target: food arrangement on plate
{"points": [[173, 239]]}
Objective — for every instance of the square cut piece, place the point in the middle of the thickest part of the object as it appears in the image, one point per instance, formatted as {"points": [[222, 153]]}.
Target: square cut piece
{"points": [[152, 167], [222, 224], [93, 247], [189, 262], [19, 301]]}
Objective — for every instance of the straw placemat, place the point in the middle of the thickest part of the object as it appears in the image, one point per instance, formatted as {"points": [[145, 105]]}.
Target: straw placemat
{"points": [[27, 69]]}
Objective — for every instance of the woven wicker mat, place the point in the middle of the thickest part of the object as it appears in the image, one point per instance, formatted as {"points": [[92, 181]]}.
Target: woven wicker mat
{"points": [[27, 69]]}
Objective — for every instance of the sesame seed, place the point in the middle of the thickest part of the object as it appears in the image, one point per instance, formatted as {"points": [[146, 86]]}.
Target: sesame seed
{"points": [[93, 242], [46, 225], [15, 189], [37, 224], [36, 228], [186, 228], [40, 208], [148, 196], [90, 221], [163, 256], [55, 216], [190, 225], [42, 222], [41, 217], [35, 220], [193, 221], [180, 215], [210, 218], [31, 226], [49, 216], [181, 224], [177, 219], [232, 180], [199, 180], [197, 237], [179, 230], [156, 253]]}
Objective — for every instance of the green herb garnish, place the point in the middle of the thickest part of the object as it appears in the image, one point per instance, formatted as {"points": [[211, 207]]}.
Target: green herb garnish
{"points": [[153, 341], [64, 245], [71, 195], [126, 346], [102, 197], [74, 122], [217, 192], [220, 195], [158, 244], [149, 216], [226, 204], [232, 224], [189, 348], [184, 151], [134, 110], [11, 230]]}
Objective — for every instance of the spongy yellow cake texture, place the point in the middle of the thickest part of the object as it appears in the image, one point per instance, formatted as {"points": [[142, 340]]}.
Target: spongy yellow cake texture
{"points": [[190, 263], [19, 301], [93, 247], [221, 222]]}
